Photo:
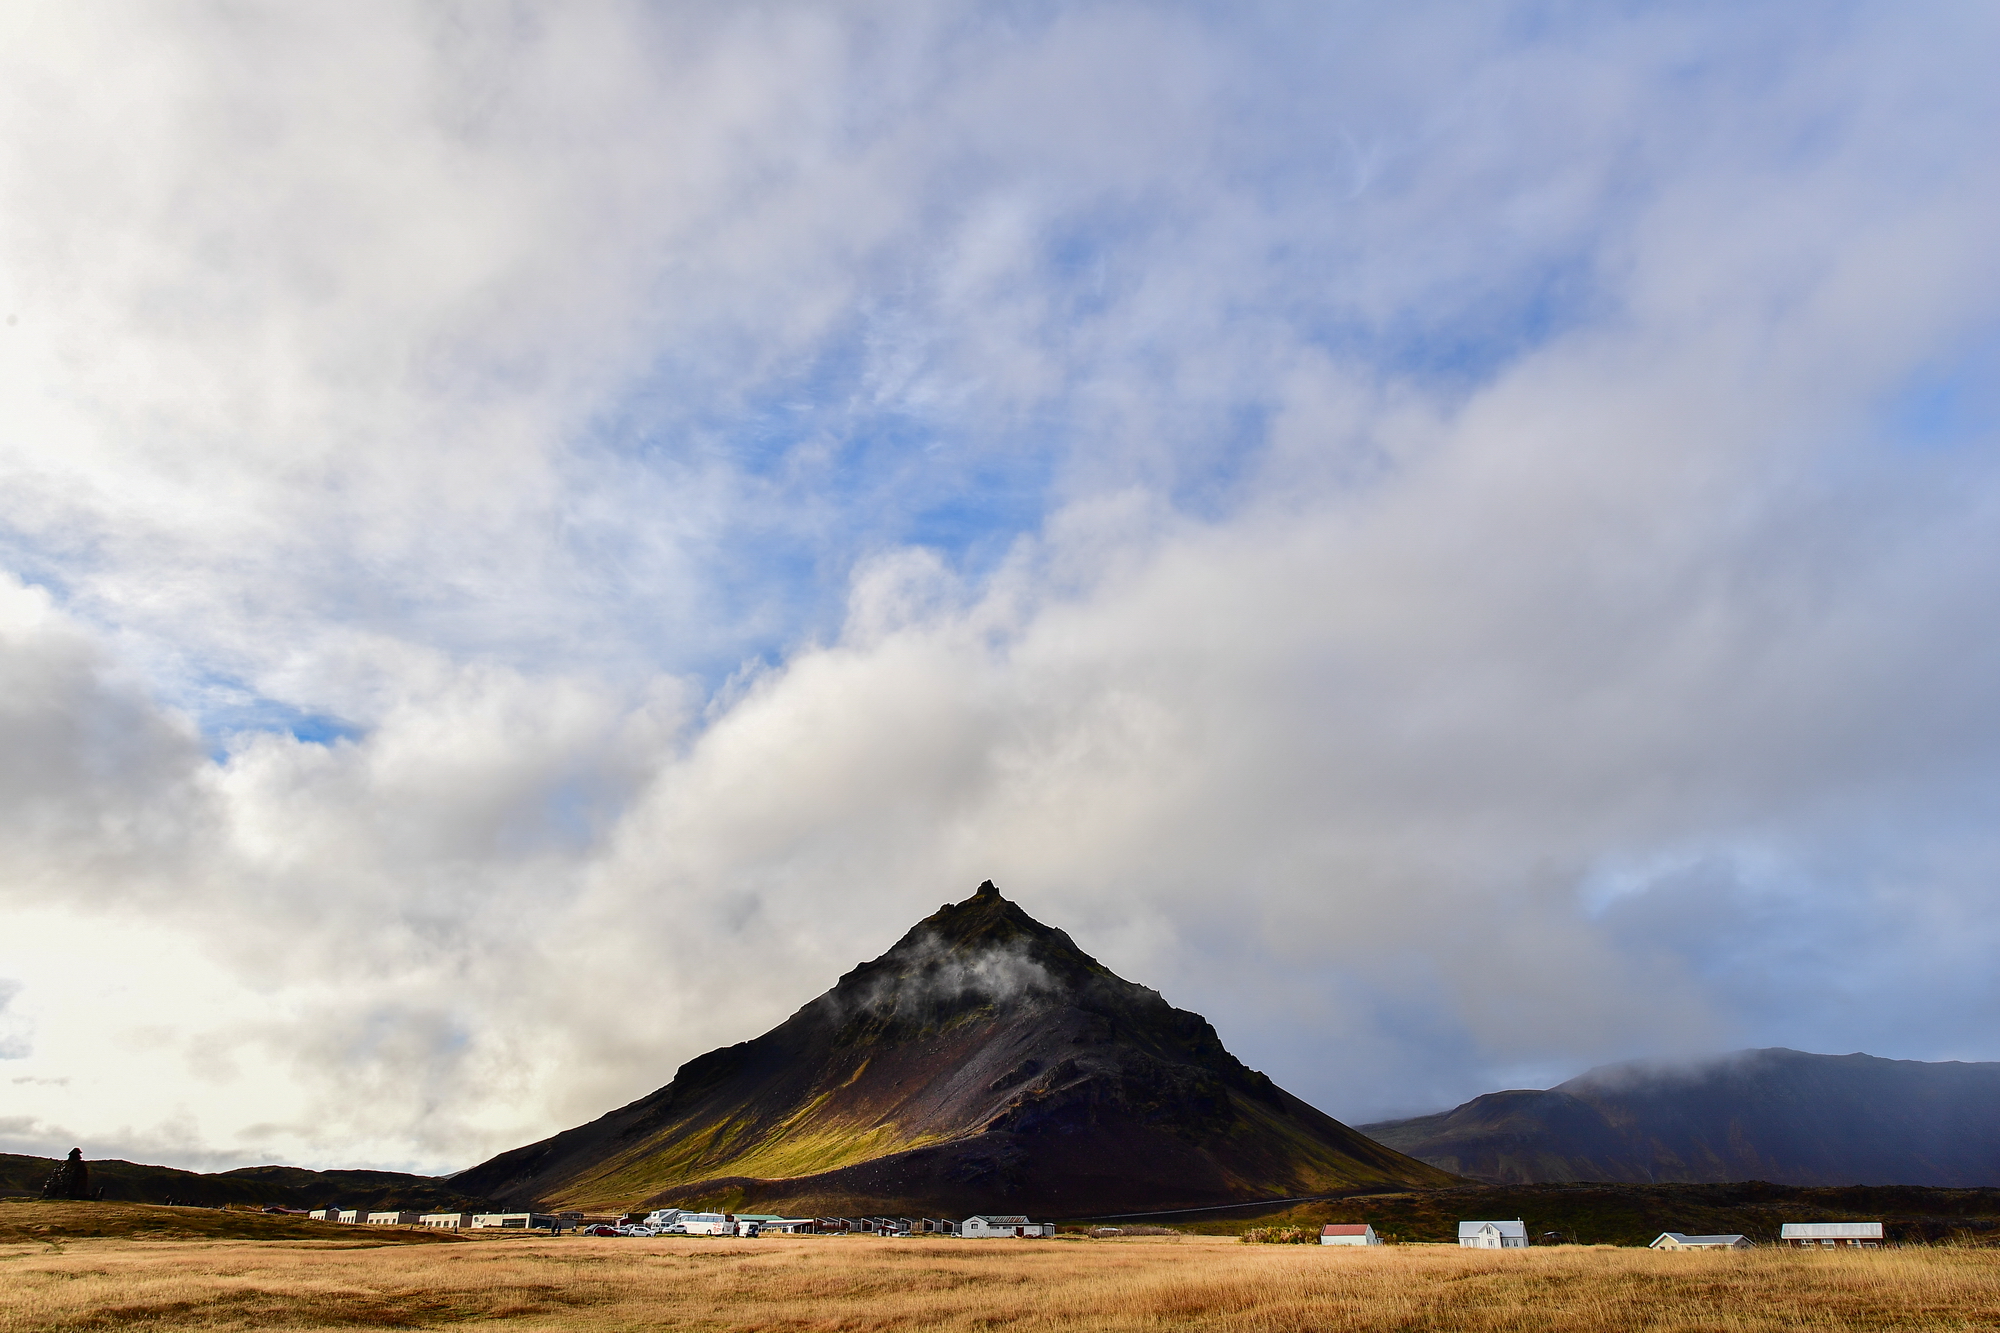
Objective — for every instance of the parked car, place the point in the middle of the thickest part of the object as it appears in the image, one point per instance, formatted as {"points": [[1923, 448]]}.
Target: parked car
{"points": [[600, 1229]]}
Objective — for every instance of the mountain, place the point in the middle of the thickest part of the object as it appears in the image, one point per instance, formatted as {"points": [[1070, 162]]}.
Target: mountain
{"points": [[291, 1186], [983, 1063], [1776, 1115]]}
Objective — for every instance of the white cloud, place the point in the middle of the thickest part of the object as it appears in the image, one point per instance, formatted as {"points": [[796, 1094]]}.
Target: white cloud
{"points": [[1404, 535]]}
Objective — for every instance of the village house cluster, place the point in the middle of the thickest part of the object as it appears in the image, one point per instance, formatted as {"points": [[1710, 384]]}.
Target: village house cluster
{"points": [[679, 1222], [1475, 1235]]}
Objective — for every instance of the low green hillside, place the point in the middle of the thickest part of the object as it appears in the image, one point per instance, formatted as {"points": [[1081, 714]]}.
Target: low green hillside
{"points": [[57, 1220], [290, 1186]]}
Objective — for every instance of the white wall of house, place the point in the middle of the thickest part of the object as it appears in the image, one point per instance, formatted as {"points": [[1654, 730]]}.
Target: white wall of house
{"points": [[1004, 1224]]}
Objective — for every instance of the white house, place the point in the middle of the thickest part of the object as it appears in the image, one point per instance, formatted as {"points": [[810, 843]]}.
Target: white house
{"points": [[1829, 1235], [350, 1215], [1348, 1233], [1004, 1224], [446, 1221], [395, 1219], [324, 1214], [1493, 1235], [1674, 1240]]}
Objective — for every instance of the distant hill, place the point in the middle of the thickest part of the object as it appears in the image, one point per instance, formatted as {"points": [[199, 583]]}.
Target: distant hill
{"points": [[983, 1063], [1776, 1115], [45, 1221], [290, 1186], [1629, 1214]]}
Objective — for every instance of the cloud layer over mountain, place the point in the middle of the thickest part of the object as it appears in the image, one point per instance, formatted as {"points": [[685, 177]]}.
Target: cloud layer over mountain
{"points": [[1456, 541]]}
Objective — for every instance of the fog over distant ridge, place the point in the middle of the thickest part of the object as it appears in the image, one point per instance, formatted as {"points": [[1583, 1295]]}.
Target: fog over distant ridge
{"points": [[1457, 541]]}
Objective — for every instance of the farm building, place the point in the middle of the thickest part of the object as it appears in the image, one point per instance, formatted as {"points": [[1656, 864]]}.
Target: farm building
{"points": [[1348, 1233], [447, 1221], [1004, 1224], [1493, 1235], [1831, 1235], [1674, 1240], [324, 1214], [350, 1215], [395, 1219], [515, 1221]]}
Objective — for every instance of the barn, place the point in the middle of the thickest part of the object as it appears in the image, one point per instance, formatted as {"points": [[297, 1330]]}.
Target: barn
{"points": [[1348, 1233], [1674, 1240], [1831, 1235], [1004, 1224]]}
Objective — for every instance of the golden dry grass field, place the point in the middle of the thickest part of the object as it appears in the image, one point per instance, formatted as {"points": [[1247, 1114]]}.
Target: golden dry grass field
{"points": [[851, 1285]]}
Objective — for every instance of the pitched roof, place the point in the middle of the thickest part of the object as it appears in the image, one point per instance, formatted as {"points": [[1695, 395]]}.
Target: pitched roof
{"points": [[1344, 1229], [1515, 1228]]}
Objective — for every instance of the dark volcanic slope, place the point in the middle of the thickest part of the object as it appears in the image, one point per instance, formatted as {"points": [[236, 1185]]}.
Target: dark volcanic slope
{"points": [[985, 1062], [1775, 1115]]}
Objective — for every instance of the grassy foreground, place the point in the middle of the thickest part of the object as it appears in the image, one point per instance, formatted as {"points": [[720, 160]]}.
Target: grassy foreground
{"points": [[856, 1285]]}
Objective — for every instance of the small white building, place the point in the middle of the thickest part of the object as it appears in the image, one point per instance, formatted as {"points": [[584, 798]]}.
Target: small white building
{"points": [[350, 1215], [324, 1214], [1493, 1235], [1348, 1233], [446, 1221], [395, 1219], [1831, 1235], [1004, 1224], [1674, 1240], [515, 1221]]}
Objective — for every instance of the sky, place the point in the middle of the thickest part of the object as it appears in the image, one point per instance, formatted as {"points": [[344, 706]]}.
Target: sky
{"points": [[1458, 541]]}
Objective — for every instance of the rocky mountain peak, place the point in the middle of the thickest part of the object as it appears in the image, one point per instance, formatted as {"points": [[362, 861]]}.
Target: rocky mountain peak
{"points": [[981, 954], [983, 1061]]}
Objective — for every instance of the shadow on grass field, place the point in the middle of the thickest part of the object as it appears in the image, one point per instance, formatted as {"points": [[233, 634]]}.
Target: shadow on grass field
{"points": [[865, 1285]]}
